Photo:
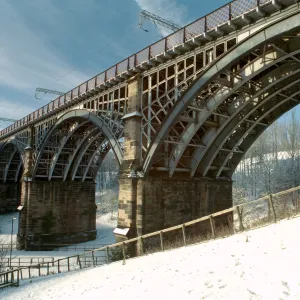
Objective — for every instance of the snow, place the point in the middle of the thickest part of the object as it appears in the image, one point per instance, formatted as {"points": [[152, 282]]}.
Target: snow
{"points": [[281, 155], [104, 225], [258, 264]]}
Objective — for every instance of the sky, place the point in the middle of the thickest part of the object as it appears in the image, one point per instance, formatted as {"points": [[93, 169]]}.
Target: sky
{"points": [[58, 44]]}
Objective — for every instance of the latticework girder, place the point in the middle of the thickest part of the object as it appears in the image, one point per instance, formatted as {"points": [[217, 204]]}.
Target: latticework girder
{"points": [[208, 129]]}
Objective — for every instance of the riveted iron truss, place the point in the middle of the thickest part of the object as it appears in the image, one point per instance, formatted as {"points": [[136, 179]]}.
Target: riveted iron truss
{"points": [[205, 129], [10, 163], [204, 100], [77, 144]]}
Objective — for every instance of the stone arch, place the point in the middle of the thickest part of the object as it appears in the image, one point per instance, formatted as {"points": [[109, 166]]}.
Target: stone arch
{"points": [[253, 96], [76, 145]]}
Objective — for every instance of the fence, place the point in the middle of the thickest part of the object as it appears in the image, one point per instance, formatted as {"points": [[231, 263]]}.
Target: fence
{"points": [[218, 17], [245, 216], [55, 247]]}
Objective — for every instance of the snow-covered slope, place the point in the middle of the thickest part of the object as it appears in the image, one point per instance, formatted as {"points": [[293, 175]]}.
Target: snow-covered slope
{"points": [[104, 225], [259, 264]]}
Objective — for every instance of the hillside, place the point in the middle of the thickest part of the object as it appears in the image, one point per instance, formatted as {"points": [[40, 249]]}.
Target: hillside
{"points": [[259, 264]]}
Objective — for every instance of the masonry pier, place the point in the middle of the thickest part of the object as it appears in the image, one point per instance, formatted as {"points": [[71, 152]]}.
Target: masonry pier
{"points": [[154, 201], [56, 212], [9, 196]]}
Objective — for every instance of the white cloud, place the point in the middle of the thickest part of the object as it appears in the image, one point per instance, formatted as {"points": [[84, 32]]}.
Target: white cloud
{"points": [[11, 110], [167, 9], [26, 62]]}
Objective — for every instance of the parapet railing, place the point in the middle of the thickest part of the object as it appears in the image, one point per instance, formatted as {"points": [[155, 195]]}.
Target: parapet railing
{"points": [[245, 216], [216, 18]]}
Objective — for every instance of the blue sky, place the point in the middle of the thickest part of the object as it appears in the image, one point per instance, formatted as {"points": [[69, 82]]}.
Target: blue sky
{"points": [[58, 44]]}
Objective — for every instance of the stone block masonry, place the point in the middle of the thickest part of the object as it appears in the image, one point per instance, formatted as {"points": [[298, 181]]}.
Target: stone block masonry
{"points": [[9, 196], [157, 202], [56, 212]]}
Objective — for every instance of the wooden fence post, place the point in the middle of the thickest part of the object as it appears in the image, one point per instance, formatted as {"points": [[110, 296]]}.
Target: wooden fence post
{"points": [[47, 268], [58, 269], [161, 241], [107, 257], [212, 225], [183, 234], [68, 259], [29, 272], [39, 267], [141, 245], [124, 254], [240, 218], [93, 258], [271, 204], [79, 262]]}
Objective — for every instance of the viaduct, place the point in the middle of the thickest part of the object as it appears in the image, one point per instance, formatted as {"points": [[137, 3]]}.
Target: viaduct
{"points": [[179, 116]]}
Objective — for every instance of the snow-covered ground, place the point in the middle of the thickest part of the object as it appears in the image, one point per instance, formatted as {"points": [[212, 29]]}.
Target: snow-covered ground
{"points": [[258, 264], [281, 155], [104, 225]]}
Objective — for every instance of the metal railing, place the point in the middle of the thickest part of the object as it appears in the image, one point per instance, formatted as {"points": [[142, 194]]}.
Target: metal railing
{"points": [[55, 247], [198, 27], [248, 215]]}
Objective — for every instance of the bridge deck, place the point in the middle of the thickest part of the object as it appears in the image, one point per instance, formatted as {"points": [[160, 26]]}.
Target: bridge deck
{"points": [[232, 16]]}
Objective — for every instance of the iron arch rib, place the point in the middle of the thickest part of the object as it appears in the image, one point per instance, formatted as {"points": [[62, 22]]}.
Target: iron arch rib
{"points": [[218, 99], [265, 94], [258, 39], [244, 135], [100, 125], [11, 161]]}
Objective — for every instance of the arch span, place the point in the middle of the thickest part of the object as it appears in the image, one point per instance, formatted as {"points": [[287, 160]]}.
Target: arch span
{"points": [[231, 103], [11, 161], [76, 145]]}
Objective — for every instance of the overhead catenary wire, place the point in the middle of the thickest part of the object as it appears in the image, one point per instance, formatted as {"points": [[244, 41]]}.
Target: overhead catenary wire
{"points": [[124, 36]]}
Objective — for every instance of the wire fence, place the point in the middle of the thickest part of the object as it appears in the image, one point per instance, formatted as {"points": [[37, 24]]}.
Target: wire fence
{"points": [[245, 216], [219, 17]]}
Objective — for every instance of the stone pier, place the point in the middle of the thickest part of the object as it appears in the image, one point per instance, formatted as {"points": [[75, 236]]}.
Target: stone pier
{"points": [[9, 196], [157, 202], [56, 212], [154, 201]]}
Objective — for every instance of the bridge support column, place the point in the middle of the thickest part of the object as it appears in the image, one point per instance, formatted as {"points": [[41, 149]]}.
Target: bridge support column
{"points": [[9, 197], [54, 212], [156, 201]]}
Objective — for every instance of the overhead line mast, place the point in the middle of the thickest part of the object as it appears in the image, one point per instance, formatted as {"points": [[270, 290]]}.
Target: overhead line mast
{"points": [[7, 120], [146, 15], [46, 91]]}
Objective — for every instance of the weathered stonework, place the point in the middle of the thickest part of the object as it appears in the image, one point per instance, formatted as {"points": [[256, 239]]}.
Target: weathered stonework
{"points": [[56, 213], [156, 201], [159, 202], [9, 197]]}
